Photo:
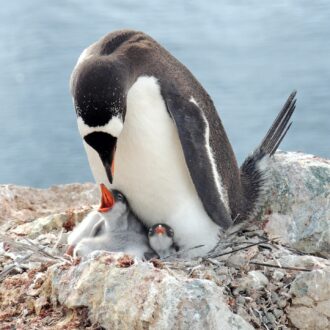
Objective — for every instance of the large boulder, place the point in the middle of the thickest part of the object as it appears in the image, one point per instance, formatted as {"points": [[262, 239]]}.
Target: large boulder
{"points": [[298, 204], [121, 293]]}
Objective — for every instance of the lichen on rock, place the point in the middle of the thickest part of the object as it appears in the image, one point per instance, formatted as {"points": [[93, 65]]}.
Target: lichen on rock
{"points": [[299, 202]]}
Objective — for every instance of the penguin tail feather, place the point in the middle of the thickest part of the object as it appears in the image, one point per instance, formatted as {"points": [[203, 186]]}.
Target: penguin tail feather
{"points": [[254, 173]]}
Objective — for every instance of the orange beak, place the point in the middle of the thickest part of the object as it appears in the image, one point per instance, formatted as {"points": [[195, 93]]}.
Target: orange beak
{"points": [[107, 199], [160, 230]]}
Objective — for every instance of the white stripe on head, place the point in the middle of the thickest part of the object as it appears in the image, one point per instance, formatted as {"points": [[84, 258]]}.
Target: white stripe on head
{"points": [[113, 127], [86, 54], [216, 176]]}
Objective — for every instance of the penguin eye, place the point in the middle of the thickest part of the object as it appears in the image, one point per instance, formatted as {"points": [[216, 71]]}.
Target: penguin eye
{"points": [[171, 232]]}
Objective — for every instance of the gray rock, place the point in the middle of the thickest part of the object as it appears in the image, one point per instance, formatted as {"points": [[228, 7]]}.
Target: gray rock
{"points": [[271, 318], [49, 223], [314, 284], [278, 275], [278, 313], [323, 307], [303, 261], [299, 201], [255, 280], [237, 260], [307, 318], [141, 296], [311, 305], [22, 204]]}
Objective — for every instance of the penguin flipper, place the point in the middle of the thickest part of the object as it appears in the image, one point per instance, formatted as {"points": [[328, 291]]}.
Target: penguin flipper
{"points": [[193, 133], [97, 229]]}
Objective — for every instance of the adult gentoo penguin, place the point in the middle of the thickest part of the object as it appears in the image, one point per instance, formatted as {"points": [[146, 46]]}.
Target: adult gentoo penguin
{"points": [[151, 131]]}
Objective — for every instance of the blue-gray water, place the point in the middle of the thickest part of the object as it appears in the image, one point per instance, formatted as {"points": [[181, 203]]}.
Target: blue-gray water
{"points": [[248, 54]]}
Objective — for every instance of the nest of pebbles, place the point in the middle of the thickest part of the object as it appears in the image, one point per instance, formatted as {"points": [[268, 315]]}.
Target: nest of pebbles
{"points": [[251, 269]]}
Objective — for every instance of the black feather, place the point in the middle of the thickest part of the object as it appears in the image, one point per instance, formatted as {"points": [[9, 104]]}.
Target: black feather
{"points": [[252, 177]]}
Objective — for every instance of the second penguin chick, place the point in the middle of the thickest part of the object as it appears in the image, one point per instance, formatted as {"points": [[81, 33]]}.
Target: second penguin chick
{"points": [[161, 239], [87, 226], [119, 230]]}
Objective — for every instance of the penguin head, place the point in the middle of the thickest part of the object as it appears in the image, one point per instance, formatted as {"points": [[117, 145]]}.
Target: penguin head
{"points": [[111, 198], [161, 238], [119, 197], [99, 92], [161, 229]]}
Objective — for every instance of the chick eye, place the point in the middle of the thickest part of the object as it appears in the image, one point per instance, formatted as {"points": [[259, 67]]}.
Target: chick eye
{"points": [[120, 197]]}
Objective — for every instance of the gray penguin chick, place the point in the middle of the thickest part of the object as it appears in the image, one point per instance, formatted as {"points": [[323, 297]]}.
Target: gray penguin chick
{"points": [[86, 227], [117, 230], [161, 239]]}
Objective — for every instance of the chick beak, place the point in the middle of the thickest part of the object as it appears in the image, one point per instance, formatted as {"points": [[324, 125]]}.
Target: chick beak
{"points": [[160, 230], [107, 199]]}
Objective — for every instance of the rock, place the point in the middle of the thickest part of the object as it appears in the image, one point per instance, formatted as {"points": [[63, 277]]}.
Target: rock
{"points": [[303, 261], [141, 296], [199, 293], [278, 313], [314, 284], [305, 301], [278, 275], [271, 318], [310, 308], [323, 307], [51, 222], [39, 304], [237, 260], [298, 202], [23, 204], [307, 318], [255, 280]]}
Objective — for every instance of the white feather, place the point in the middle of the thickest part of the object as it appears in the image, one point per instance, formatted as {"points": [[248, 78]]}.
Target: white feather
{"points": [[113, 127]]}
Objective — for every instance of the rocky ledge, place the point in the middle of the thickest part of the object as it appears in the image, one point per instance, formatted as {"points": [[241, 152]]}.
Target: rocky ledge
{"points": [[272, 273]]}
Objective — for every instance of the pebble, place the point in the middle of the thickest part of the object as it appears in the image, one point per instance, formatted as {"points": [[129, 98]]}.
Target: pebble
{"points": [[274, 297], [242, 312], [278, 275], [241, 300], [282, 303], [237, 260], [255, 280], [271, 318], [278, 313]]}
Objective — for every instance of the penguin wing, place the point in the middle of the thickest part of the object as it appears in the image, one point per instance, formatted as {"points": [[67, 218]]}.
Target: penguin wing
{"points": [[193, 130], [97, 229]]}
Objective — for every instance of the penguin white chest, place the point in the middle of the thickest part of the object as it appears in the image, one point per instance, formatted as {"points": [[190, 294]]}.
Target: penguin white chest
{"points": [[150, 169]]}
